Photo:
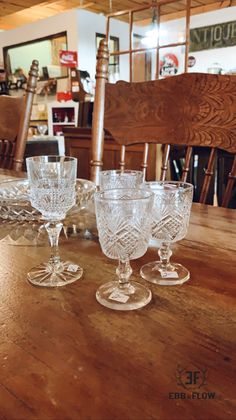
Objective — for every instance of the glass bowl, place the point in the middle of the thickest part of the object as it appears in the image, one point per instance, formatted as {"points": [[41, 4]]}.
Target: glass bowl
{"points": [[15, 203]]}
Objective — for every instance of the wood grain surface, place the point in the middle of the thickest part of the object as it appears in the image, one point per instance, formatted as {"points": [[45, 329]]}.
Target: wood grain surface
{"points": [[63, 356]]}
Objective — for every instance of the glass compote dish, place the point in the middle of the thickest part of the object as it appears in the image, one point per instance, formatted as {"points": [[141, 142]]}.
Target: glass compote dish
{"points": [[170, 219], [124, 228], [120, 179], [52, 182]]}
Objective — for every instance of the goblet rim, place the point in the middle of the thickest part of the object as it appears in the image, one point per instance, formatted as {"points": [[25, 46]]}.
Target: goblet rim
{"points": [[99, 195], [186, 185], [120, 171], [53, 159]]}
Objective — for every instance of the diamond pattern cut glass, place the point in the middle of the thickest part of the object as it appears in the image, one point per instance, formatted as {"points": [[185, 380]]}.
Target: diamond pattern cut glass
{"points": [[124, 228], [52, 181]]}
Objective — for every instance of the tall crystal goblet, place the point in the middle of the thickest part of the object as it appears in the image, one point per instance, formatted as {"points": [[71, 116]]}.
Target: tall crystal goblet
{"points": [[42, 129], [124, 228], [170, 219], [52, 182], [120, 179]]}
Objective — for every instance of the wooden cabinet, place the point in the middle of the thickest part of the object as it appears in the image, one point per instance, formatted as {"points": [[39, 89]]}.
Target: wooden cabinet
{"points": [[78, 144]]}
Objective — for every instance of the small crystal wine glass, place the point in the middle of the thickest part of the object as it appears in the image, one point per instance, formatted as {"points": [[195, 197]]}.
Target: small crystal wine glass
{"points": [[124, 228], [170, 219], [120, 179], [42, 129], [52, 182]]}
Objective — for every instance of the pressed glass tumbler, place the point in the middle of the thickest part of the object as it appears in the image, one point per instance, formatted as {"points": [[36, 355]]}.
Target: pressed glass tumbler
{"points": [[120, 179]]}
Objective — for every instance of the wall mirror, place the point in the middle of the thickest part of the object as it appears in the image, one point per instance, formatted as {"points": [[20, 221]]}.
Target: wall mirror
{"points": [[18, 58]]}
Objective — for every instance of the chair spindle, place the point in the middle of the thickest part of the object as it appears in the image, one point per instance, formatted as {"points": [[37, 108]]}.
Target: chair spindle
{"points": [[208, 175], [187, 163], [122, 157], [165, 159], [144, 163], [24, 122], [98, 112], [230, 184]]}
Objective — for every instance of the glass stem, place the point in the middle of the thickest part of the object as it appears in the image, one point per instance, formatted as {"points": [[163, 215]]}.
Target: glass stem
{"points": [[124, 272], [165, 253], [53, 229]]}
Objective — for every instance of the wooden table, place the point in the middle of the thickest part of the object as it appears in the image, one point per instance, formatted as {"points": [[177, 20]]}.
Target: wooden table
{"points": [[63, 356]]}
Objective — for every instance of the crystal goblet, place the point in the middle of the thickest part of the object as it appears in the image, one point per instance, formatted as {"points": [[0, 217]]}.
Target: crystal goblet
{"points": [[52, 182], [170, 219], [124, 229], [120, 179], [42, 129]]}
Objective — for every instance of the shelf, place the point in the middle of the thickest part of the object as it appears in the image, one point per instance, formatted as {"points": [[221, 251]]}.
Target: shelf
{"points": [[63, 110], [63, 123]]}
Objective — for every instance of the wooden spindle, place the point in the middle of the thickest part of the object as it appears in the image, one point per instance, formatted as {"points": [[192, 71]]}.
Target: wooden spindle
{"points": [[25, 116], [164, 165], [122, 158], [98, 112], [187, 163], [144, 163], [208, 176], [230, 184]]}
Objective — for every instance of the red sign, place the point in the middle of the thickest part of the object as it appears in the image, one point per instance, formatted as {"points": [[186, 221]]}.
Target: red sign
{"points": [[68, 58], [64, 96]]}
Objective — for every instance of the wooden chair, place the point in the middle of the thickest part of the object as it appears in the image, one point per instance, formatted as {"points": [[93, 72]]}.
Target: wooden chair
{"points": [[14, 123], [192, 109]]}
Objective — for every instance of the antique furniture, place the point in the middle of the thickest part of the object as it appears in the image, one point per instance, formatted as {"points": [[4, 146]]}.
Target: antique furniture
{"points": [[188, 110], [14, 123], [78, 143], [65, 356]]}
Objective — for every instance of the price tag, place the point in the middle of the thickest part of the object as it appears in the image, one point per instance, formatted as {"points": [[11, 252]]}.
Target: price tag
{"points": [[72, 268], [118, 297], [169, 275]]}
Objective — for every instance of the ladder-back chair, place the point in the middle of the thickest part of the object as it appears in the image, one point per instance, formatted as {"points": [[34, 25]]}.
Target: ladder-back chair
{"points": [[14, 123], [192, 109]]}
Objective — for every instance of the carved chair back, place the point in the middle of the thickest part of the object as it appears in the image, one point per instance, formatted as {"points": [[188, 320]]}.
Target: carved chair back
{"points": [[14, 123], [192, 109]]}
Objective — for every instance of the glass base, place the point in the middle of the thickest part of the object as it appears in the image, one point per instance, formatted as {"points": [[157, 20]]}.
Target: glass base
{"points": [[133, 296], [154, 273], [45, 274]]}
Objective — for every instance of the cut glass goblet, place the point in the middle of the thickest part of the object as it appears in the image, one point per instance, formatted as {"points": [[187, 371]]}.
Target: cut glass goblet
{"points": [[170, 219], [52, 182], [124, 228]]}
